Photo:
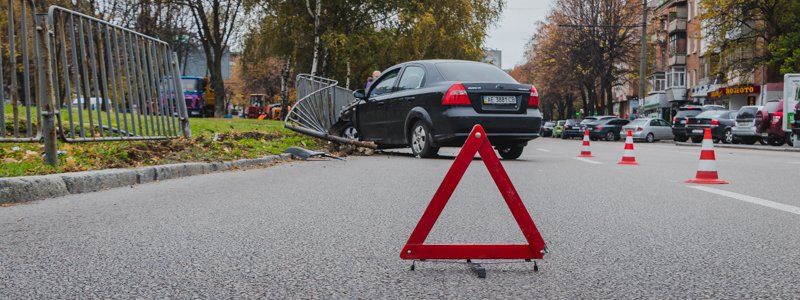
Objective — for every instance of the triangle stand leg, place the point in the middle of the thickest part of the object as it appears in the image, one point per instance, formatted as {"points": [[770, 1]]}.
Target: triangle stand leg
{"points": [[477, 269]]}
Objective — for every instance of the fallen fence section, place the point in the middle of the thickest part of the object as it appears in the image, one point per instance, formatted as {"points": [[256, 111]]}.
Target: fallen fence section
{"points": [[319, 107], [71, 76]]}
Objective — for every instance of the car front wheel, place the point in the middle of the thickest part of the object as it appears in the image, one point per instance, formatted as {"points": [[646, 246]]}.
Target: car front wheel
{"points": [[510, 152], [350, 132], [421, 141]]}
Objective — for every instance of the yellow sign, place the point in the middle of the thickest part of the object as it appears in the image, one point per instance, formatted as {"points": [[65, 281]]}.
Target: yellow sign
{"points": [[735, 90]]}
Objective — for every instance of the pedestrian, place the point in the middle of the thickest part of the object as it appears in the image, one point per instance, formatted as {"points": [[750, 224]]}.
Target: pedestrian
{"points": [[371, 79]]}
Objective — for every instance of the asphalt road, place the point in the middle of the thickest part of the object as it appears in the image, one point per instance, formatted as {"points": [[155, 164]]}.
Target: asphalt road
{"points": [[332, 229]]}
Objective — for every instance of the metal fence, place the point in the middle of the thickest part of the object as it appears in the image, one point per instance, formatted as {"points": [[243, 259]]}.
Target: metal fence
{"points": [[318, 108], [20, 116], [69, 75], [112, 83]]}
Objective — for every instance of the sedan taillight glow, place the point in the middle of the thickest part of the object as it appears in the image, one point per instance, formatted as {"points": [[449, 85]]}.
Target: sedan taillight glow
{"points": [[639, 129], [456, 96], [533, 101], [714, 122]]}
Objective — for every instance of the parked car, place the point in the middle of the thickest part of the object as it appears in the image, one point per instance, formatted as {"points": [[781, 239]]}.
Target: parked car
{"points": [[559, 128], [93, 103], [769, 123], [648, 129], [719, 121], [744, 128], [606, 128], [429, 104], [572, 128], [683, 115], [547, 129]]}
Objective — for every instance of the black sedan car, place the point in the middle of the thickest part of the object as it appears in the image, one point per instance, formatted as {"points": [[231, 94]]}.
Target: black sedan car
{"points": [[719, 121], [572, 128], [607, 129], [547, 129], [430, 104]]}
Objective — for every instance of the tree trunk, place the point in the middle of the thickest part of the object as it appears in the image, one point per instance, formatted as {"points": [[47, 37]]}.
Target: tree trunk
{"points": [[316, 15], [285, 73]]}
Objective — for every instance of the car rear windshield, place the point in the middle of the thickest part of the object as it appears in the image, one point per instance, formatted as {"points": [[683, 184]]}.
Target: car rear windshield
{"points": [[639, 122], [572, 122], [772, 106], [748, 112], [473, 72], [712, 114], [588, 120], [549, 124], [687, 113]]}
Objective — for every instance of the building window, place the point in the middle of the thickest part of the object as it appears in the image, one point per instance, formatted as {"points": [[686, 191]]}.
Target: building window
{"points": [[676, 77]]}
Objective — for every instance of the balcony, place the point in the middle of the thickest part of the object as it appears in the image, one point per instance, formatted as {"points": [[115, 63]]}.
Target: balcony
{"points": [[677, 25], [677, 59]]}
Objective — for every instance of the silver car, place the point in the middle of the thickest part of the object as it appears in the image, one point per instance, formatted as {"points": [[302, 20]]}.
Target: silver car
{"points": [[744, 129], [648, 129]]}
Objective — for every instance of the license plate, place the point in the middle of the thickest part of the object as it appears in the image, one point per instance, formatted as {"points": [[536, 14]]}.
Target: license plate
{"points": [[697, 131], [500, 100]]}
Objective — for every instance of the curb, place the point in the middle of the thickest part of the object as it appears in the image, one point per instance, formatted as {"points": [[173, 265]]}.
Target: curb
{"points": [[745, 147], [32, 188]]}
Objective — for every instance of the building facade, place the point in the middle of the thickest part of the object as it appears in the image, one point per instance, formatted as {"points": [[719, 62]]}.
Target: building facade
{"points": [[685, 69]]}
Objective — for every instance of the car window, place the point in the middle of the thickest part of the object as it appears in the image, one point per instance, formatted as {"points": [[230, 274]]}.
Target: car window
{"points": [[384, 85], [713, 114], [687, 113], [771, 107], [572, 122], [466, 71], [663, 123], [748, 112], [654, 123], [561, 123], [411, 79]]}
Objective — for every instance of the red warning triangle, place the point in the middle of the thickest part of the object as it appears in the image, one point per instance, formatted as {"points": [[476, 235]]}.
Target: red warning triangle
{"points": [[477, 142]]}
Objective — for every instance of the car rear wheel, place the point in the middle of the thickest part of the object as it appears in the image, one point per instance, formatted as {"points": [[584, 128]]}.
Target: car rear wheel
{"points": [[791, 139], [610, 136], [421, 141], [650, 138], [510, 152], [728, 137], [775, 142], [697, 139]]}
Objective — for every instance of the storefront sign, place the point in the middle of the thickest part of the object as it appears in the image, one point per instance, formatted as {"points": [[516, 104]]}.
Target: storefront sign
{"points": [[735, 90]]}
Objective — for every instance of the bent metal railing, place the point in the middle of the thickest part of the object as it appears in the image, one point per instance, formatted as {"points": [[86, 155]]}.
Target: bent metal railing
{"points": [[71, 76], [318, 108]]}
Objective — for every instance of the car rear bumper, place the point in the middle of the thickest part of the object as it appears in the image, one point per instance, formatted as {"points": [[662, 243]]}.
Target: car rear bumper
{"points": [[715, 131], [455, 124], [679, 131], [748, 131]]}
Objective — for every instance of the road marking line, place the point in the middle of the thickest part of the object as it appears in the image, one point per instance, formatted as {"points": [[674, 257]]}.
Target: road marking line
{"points": [[588, 160], [749, 199], [543, 150]]}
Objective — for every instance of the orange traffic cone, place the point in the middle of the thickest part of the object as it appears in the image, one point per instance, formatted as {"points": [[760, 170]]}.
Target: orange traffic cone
{"points": [[629, 157], [707, 169], [586, 151]]}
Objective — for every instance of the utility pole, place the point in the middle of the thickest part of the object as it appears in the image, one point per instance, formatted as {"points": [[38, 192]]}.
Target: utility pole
{"points": [[643, 62]]}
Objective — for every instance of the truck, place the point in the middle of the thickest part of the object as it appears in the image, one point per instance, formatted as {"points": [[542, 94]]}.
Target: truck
{"points": [[198, 95], [257, 106]]}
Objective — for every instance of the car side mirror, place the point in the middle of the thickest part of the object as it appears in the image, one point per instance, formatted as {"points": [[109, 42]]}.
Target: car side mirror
{"points": [[360, 94]]}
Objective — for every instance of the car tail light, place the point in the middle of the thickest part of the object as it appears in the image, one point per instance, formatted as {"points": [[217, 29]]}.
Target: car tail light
{"points": [[776, 118], [599, 128], [714, 122], [456, 95], [639, 129], [533, 100], [675, 120]]}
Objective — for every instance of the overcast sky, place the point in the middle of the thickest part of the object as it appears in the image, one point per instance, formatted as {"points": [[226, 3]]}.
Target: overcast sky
{"points": [[515, 27]]}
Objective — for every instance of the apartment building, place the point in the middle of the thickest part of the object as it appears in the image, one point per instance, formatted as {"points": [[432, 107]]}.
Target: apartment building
{"points": [[684, 70]]}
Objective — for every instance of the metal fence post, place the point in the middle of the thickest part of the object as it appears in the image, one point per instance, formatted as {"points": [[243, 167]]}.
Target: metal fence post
{"points": [[46, 93], [183, 114]]}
